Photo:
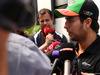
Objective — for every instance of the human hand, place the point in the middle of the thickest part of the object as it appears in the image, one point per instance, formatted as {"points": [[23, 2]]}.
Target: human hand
{"points": [[49, 39], [82, 73]]}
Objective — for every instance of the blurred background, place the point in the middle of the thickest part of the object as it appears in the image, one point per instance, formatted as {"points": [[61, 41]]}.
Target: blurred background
{"points": [[58, 22]]}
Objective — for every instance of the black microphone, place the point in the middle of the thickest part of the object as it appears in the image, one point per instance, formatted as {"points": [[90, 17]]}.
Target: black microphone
{"points": [[54, 54], [67, 54], [57, 64]]}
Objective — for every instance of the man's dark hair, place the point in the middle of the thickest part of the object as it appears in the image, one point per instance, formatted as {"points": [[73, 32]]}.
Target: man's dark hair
{"points": [[44, 11], [94, 24]]}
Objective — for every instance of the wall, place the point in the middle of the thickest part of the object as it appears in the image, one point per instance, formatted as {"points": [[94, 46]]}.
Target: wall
{"points": [[98, 4], [59, 26], [43, 4], [59, 22]]}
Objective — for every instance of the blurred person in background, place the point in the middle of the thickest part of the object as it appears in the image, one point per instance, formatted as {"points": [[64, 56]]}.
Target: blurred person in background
{"points": [[43, 40]]}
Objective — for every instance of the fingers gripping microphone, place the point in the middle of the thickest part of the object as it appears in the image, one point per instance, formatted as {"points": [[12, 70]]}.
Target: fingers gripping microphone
{"points": [[52, 46], [47, 30]]}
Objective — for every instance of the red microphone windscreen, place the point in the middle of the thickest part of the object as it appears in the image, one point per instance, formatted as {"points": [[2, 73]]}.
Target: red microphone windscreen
{"points": [[47, 30], [52, 46]]}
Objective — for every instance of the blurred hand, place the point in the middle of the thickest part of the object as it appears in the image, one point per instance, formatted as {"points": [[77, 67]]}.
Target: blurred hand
{"points": [[49, 39], [87, 73]]}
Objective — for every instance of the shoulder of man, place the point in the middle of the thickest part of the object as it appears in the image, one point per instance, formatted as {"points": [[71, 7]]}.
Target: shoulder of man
{"points": [[24, 56]]}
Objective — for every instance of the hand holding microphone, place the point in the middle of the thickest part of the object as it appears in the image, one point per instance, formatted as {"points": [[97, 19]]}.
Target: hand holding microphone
{"points": [[49, 37], [47, 30]]}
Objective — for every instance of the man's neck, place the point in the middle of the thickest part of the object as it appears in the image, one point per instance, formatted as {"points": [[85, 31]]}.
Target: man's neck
{"points": [[86, 43]]}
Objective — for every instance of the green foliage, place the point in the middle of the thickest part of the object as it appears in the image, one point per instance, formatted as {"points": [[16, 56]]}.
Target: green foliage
{"points": [[33, 29]]}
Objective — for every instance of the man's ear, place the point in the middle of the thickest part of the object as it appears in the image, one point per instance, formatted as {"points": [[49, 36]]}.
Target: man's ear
{"points": [[88, 22]]}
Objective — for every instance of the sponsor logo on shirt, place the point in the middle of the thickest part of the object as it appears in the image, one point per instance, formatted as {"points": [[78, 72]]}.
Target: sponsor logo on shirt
{"points": [[86, 64]]}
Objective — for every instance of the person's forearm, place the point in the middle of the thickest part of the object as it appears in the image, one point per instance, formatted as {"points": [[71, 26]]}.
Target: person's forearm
{"points": [[3, 52], [48, 41], [3, 62], [43, 47]]}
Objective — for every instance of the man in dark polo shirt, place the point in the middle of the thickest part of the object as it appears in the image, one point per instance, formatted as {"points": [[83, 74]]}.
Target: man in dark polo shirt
{"points": [[82, 26], [40, 38]]}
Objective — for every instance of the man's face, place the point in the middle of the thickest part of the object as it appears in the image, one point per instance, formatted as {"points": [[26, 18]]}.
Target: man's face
{"points": [[46, 20], [76, 30]]}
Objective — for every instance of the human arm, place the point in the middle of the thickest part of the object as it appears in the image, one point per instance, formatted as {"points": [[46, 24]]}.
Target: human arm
{"points": [[3, 62], [3, 52], [49, 39]]}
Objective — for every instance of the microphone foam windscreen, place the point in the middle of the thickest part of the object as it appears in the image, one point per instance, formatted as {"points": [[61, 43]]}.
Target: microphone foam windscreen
{"points": [[55, 53], [67, 54], [57, 49], [60, 46], [52, 46], [47, 30]]}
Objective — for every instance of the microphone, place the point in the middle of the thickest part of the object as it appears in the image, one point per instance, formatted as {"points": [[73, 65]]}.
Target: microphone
{"points": [[57, 64], [54, 53], [54, 57], [52, 46], [67, 54], [57, 67], [46, 30]]}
